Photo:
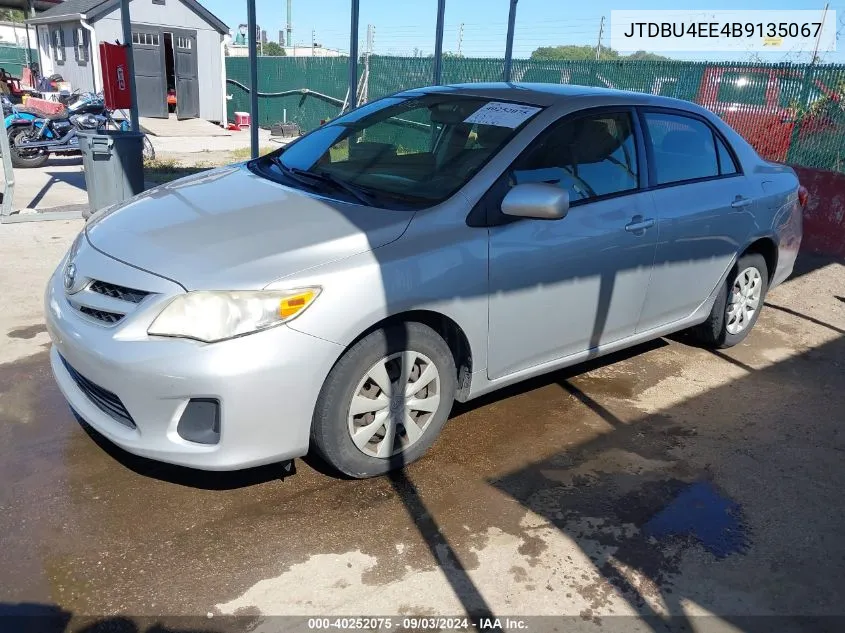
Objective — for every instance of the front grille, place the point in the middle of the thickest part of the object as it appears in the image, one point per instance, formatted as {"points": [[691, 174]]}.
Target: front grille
{"points": [[101, 315], [104, 400], [118, 292]]}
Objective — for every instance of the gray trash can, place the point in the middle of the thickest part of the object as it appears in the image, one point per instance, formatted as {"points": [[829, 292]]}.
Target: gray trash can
{"points": [[114, 166]]}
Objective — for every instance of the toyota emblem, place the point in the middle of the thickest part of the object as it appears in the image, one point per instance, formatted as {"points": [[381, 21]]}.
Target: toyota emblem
{"points": [[70, 275]]}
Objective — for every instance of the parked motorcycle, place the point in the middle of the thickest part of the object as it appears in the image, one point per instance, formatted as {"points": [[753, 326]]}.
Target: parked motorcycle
{"points": [[34, 135]]}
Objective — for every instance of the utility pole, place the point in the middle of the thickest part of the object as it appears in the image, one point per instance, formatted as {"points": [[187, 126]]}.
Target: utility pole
{"points": [[460, 38], [819, 36], [371, 36], [601, 32], [313, 41], [289, 25]]}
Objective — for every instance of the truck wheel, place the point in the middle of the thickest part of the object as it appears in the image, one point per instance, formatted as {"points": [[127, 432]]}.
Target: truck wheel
{"points": [[25, 157], [738, 305], [385, 401]]}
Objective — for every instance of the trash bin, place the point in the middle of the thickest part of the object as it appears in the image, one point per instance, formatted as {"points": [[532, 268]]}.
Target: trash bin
{"points": [[114, 166]]}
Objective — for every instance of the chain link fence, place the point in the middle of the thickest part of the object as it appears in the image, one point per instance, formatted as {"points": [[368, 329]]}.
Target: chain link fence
{"points": [[789, 112]]}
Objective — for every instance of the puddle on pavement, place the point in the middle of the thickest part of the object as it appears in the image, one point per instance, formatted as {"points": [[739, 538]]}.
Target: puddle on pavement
{"points": [[28, 332]]}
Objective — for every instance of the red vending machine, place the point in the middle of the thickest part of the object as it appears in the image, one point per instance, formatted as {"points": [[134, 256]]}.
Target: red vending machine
{"points": [[116, 84]]}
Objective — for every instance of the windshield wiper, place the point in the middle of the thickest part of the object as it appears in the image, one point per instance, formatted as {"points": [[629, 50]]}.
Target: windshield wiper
{"points": [[304, 175]]}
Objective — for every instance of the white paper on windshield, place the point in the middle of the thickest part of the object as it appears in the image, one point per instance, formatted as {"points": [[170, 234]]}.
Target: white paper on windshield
{"points": [[502, 114]]}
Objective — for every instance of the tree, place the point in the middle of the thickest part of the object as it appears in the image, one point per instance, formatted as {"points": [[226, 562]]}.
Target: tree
{"points": [[649, 57], [11, 15], [271, 49], [585, 52]]}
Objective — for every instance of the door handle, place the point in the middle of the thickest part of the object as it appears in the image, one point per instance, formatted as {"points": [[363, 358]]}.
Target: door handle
{"points": [[639, 225], [741, 202]]}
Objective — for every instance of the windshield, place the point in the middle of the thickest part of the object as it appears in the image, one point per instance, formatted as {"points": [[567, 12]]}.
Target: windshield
{"points": [[411, 151]]}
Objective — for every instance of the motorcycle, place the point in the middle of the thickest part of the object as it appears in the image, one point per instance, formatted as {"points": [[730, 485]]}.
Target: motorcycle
{"points": [[34, 135]]}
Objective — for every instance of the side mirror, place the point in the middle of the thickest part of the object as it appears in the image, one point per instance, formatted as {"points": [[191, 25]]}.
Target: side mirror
{"points": [[536, 200]]}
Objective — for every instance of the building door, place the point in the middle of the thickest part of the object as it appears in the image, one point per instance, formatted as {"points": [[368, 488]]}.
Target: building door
{"points": [[150, 76], [187, 82]]}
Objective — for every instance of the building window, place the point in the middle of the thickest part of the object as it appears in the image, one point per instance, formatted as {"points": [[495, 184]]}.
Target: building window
{"points": [[184, 43], [80, 45], [145, 39], [57, 41]]}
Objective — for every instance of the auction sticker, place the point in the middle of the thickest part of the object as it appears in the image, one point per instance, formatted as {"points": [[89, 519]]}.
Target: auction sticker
{"points": [[510, 115]]}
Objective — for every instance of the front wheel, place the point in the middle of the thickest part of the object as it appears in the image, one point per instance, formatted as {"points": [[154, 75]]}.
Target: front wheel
{"points": [[148, 151], [20, 155], [738, 304], [385, 401]]}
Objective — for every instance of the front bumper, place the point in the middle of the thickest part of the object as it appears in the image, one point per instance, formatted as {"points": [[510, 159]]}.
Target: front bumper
{"points": [[267, 383]]}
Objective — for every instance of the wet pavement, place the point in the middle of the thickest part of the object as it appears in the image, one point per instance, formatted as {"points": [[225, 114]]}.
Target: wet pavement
{"points": [[664, 481]]}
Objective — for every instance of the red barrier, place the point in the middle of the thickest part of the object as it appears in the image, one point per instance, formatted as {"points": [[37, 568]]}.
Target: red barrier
{"points": [[824, 217]]}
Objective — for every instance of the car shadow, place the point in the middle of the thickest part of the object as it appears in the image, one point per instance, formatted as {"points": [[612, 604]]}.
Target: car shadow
{"points": [[189, 477]]}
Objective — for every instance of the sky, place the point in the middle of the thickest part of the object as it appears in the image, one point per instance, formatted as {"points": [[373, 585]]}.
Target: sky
{"points": [[477, 28]]}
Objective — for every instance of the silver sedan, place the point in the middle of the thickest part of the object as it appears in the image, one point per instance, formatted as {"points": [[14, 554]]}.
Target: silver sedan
{"points": [[339, 294]]}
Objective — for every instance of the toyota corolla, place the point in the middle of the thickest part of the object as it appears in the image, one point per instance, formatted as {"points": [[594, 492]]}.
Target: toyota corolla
{"points": [[339, 294]]}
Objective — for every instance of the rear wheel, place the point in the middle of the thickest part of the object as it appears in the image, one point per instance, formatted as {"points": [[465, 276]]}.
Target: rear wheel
{"points": [[738, 305], [385, 401], [20, 155]]}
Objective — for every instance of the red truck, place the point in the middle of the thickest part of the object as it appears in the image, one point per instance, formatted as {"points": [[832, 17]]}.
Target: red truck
{"points": [[764, 104]]}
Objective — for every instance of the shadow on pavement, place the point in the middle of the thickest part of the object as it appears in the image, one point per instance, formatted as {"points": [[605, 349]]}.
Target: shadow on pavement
{"points": [[668, 521], [189, 477]]}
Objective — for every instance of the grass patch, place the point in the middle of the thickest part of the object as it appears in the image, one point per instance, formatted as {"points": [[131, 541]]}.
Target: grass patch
{"points": [[162, 171], [245, 153]]}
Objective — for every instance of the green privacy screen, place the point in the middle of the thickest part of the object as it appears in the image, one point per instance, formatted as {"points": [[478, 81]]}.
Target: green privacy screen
{"points": [[13, 58], [789, 112]]}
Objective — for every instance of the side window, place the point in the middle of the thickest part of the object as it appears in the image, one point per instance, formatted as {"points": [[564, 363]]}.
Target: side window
{"points": [[746, 88], [58, 42], [727, 166], [589, 156], [80, 45], [682, 147]]}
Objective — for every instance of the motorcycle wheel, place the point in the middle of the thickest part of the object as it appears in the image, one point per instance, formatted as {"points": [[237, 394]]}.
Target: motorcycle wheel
{"points": [[148, 152], [25, 157]]}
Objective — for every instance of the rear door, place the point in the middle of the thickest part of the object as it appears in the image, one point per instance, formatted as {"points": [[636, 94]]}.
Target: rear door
{"points": [[705, 211], [187, 81], [150, 76]]}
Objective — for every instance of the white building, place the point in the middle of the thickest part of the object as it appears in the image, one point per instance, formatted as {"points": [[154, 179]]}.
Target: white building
{"points": [[13, 33], [239, 50]]}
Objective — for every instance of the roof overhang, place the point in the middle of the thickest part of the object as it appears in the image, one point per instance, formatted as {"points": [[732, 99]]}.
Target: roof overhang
{"points": [[52, 19]]}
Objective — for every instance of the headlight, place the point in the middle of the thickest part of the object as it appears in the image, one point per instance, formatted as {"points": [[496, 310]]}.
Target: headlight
{"points": [[214, 316]]}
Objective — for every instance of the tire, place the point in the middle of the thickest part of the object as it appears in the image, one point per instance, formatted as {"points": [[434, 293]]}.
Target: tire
{"points": [[720, 330], [148, 151], [332, 426], [31, 158]]}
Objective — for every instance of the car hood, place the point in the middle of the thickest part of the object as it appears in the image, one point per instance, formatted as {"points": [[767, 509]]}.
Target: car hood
{"points": [[230, 229]]}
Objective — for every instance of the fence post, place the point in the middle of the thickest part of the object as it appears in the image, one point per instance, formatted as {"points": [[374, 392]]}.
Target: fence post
{"points": [[353, 56], [438, 43], [506, 75]]}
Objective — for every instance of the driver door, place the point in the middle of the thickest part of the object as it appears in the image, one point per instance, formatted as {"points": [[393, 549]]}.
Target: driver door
{"points": [[561, 287]]}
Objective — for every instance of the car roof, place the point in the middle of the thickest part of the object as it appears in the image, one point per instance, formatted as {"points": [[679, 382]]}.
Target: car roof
{"points": [[552, 94]]}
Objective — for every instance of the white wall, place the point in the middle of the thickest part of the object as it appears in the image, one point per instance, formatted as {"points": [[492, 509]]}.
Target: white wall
{"points": [[12, 33]]}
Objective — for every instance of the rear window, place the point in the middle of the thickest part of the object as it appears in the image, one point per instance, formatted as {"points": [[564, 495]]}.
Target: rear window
{"points": [[746, 88]]}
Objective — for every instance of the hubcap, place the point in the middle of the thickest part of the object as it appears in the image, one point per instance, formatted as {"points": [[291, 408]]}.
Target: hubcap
{"points": [[393, 404], [744, 300]]}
